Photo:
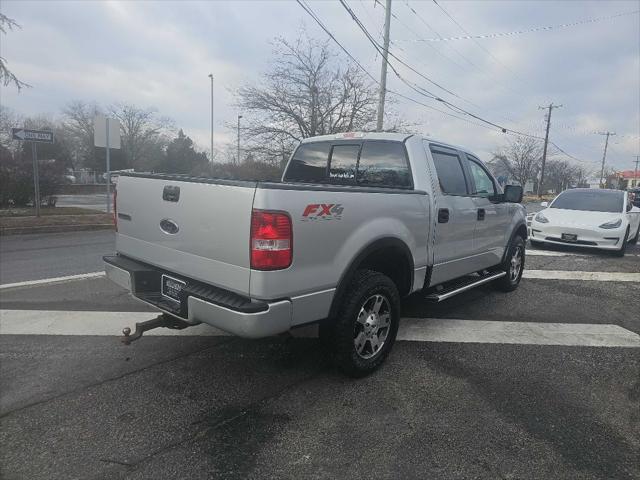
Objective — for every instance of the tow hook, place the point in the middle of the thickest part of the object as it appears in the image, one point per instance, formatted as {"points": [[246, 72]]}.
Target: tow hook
{"points": [[163, 320]]}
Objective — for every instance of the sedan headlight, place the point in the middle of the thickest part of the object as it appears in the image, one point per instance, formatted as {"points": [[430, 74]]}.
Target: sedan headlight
{"points": [[612, 224], [540, 218]]}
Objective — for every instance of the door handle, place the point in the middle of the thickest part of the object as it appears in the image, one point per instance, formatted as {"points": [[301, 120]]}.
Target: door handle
{"points": [[443, 215], [481, 214]]}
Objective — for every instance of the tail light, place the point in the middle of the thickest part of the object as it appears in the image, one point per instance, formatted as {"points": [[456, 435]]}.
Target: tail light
{"points": [[271, 240], [115, 208]]}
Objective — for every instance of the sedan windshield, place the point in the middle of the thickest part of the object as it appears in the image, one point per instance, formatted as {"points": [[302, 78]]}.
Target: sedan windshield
{"points": [[590, 201]]}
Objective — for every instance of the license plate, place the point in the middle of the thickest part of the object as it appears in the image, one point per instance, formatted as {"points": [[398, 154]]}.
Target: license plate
{"points": [[569, 237], [172, 287]]}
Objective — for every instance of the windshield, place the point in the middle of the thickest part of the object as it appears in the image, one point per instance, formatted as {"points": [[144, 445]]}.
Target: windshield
{"points": [[590, 201]]}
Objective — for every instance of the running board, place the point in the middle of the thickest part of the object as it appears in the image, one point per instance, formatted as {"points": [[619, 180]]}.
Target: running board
{"points": [[468, 285]]}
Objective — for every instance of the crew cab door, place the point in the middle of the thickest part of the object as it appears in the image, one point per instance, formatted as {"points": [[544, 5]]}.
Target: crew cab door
{"points": [[455, 216], [493, 217]]}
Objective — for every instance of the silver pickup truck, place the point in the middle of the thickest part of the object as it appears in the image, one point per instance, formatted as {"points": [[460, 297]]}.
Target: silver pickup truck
{"points": [[358, 221]]}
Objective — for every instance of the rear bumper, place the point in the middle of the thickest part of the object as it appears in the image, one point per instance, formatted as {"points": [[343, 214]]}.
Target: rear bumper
{"points": [[201, 303]]}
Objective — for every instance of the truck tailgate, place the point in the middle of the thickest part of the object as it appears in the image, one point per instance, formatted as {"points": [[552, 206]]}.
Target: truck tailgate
{"points": [[196, 228]]}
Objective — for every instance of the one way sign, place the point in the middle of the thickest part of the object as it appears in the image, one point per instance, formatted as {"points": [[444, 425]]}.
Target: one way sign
{"points": [[32, 135]]}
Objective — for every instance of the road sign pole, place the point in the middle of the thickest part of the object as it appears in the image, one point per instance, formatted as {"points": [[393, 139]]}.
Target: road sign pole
{"points": [[36, 179], [108, 171]]}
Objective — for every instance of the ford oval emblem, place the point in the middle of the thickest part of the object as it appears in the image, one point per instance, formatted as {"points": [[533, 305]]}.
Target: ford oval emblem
{"points": [[169, 226]]}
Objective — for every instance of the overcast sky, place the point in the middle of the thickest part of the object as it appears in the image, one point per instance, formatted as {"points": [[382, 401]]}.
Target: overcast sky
{"points": [[159, 53]]}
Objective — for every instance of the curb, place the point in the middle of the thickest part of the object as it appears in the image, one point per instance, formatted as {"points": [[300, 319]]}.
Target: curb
{"points": [[55, 229]]}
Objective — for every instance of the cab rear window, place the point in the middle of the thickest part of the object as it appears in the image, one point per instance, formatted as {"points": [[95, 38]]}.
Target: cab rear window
{"points": [[309, 163], [372, 163]]}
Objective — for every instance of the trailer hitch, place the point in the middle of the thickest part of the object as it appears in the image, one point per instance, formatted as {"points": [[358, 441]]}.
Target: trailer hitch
{"points": [[163, 320]]}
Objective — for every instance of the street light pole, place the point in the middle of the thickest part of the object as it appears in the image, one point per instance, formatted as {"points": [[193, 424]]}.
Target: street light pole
{"points": [[239, 117], [211, 159]]}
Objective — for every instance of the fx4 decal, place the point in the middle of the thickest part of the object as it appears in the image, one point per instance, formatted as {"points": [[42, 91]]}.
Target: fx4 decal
{"points": [[322, 211]]}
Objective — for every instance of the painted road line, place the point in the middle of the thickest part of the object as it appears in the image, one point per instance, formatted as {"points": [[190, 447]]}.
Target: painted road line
{"points": [[552, 253], [54, 322], [37, 322], [50, 281], [521, 333], [578, 275]]}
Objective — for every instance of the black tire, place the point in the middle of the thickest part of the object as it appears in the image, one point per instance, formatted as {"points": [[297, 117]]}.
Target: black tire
{"points": [[511, 280], [340, 334], [623, 247], [634, 240]]}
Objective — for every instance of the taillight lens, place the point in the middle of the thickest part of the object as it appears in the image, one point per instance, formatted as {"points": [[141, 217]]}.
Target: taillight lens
{"points": [[115, 208], [271, 240]]}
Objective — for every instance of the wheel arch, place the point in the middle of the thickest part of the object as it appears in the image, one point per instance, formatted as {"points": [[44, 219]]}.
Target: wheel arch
{"points": [[390, 256], [519, 230]]}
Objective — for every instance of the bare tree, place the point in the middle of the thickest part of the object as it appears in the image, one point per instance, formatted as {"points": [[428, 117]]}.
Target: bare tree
{"points": [[580, 175], [560, 175], [8, 120], [520, 159], [308, 91], [7, 76], [145, 134], [77, 123]]}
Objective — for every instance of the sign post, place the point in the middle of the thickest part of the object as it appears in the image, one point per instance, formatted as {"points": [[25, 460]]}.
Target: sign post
{"points": [[36, 179], [107, 135], [33, 136]]}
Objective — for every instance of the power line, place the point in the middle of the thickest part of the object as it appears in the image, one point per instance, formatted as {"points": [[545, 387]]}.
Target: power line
{"points": [[312, 14], [421, 90], [493, 79], [528, 30], [421, 18], [475, 41]]}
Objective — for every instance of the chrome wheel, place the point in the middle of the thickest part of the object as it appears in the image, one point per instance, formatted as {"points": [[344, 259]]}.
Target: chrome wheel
{"points": [[372, 326], [516, 264]]}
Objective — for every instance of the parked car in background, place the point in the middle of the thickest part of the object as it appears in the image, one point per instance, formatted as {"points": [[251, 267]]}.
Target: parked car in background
{"points": [[635, 192], [590, 218]]}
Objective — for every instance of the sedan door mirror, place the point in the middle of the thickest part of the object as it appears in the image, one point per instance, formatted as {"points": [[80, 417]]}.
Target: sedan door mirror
{"points": [[512, 193], [629, 206], [544, 204]]}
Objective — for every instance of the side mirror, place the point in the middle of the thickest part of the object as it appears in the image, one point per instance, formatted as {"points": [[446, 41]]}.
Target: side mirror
{"points": [[629, 206], [512, 193], [544, 204]]}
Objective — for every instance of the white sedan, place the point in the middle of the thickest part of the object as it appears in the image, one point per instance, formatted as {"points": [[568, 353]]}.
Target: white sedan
{"points": [[592, 218]]}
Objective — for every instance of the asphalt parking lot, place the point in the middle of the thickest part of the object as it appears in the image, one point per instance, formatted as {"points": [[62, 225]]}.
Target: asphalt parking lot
{"points": [[540, 383]]}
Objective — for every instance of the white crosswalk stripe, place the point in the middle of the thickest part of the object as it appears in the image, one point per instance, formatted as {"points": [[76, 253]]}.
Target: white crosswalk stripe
{"points": [[38, 322]]}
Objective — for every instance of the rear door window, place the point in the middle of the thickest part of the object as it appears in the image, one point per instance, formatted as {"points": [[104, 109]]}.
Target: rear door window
{"points": [[309, 163], [383, 164], [450, 174], [343, 163]]}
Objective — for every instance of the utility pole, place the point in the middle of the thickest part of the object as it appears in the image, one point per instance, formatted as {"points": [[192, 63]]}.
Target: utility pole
{"points": [[604, 155], [239, 117], [546, 143], [635, 172], [211, 159], [108, 167], [383, 70]]}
